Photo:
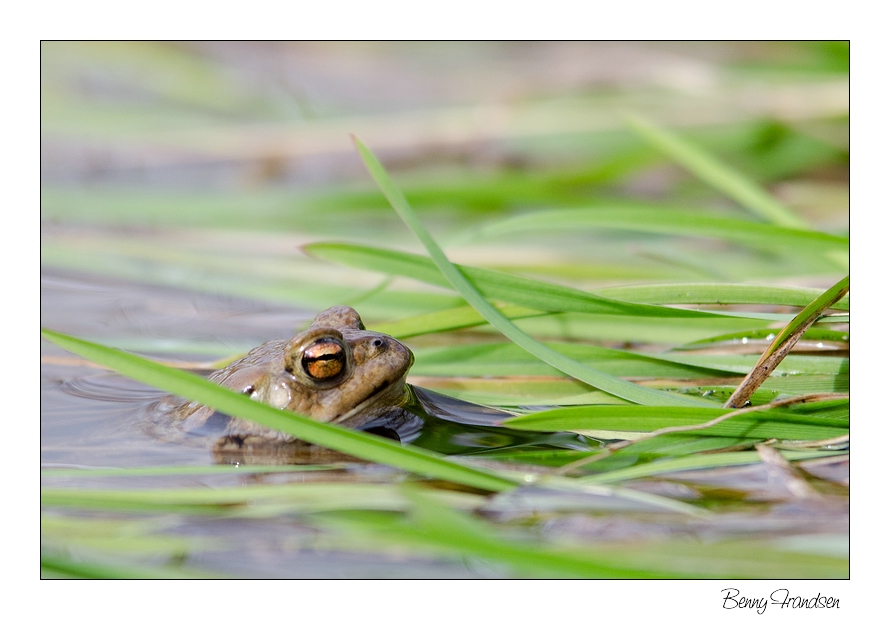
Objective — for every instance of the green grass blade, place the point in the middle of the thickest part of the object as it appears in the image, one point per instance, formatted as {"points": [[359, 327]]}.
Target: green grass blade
{"points": [[508, 360], [628, 418], [693, 462], [717, 293], [502, 359], [474, 536], [711, 170], [743, 363], [811, 312], [178, 471], [447, 320], [612, 385], [549, 297], [356, 443], [768, 334], [432, 526], [292, 497], [657, 220], [496, 285], [57, 566], [784, 342], [466, 317]]}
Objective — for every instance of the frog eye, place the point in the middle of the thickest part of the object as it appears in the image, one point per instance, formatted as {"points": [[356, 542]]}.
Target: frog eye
{"points": [[324, 360]]}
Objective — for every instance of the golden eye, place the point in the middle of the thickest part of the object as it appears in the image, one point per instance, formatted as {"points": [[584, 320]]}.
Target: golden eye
{"points": [[323, 360]]}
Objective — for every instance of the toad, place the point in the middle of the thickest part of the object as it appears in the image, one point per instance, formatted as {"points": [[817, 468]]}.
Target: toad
{"points": [[335, 371]]}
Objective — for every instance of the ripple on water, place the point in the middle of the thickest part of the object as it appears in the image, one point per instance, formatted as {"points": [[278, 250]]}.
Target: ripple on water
{"points": [[108, 387]]}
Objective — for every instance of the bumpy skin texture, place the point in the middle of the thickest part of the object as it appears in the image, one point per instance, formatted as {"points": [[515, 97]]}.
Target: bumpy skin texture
{"points": [[335, 371]]}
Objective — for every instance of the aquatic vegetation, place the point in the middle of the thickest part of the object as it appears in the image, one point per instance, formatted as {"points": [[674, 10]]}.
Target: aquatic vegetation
{"points": [[553, 291]]}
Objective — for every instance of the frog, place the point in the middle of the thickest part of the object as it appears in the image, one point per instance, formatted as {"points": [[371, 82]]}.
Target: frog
{"points": [[336, 371]]}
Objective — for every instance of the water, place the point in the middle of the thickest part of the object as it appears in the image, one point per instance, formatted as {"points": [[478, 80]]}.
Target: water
{"points": [[90, 420]]}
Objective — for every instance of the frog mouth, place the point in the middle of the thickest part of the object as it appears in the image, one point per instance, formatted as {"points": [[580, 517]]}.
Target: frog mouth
{"points": [[356, 416]]}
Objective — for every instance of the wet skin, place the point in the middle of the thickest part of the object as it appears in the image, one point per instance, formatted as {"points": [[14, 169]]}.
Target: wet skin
{"points": [[335, 371]]}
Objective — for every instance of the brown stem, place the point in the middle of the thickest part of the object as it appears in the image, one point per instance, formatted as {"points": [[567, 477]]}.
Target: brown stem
{"points": [[771, 358], [616, 446]]}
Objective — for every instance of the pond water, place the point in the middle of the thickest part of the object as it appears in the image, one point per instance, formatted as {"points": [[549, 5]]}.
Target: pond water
{"points": [[90, 422]]}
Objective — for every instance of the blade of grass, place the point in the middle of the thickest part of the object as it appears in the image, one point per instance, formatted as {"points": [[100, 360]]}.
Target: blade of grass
{"points": [[791, 385], [754, 425], [363, 445], [650, 219], [808, 315], [500, 359], [633, 330], [729, 423], [176, 471], [466, 317], [717, 293], [476, 537], [834, 338], [447, 320], [743, 364], [58, 566], [293, 498], [708, 168], [535, 294], [612, 385], [645, 419], [497, 285], [432, 526], [745, 558], [691, 462], [96, 535], [784, 342]]}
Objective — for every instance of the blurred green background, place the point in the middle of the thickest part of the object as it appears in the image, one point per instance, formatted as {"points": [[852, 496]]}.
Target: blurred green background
{"points": [[162, 160]]}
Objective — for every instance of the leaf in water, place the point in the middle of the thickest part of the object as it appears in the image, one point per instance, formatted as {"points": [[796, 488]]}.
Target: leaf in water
{"points": [[432, 526], [179, 471], [60, 566], [282, 498], [691, 462], [624, 418]]}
